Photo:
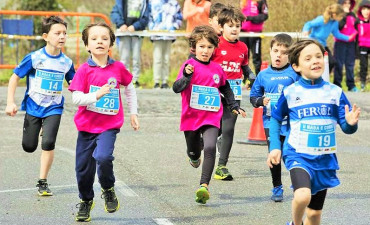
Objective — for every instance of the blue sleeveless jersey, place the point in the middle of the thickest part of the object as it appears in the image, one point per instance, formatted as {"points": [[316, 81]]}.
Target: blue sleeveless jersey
{"points": [[45, 75]]}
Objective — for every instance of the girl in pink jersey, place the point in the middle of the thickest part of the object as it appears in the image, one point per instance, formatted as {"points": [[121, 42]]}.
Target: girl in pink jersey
{"points": [[96, 90], [363, 28], [201, 82]]}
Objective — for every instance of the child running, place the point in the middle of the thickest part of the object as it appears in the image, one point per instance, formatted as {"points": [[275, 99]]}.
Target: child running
{"points": [[266, 91], [314, 108], [201, 82], [45, 70], [96, 90], [232, 55]]}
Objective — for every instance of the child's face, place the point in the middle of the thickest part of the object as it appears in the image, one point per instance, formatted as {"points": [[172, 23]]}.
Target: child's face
{"points": [[204, 50], [57, 36], [278, 56], [311, 62], [346, 5], [231, 30], [365, 11], [98, 40], [214, 24]]}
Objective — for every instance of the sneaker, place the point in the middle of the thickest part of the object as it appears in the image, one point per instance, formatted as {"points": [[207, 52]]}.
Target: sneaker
{"points": [[156, 86], [202, 195], [277, 194], [111, 202], [84, 208], [354, 90], [165, 86], [195, 163], [222, 173], [43, 188], [290, 223], [137, 84]]}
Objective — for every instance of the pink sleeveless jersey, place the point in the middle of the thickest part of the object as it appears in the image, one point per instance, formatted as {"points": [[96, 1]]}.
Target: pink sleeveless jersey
{"points": [[210, 75], [115, 74], [251, 9]]}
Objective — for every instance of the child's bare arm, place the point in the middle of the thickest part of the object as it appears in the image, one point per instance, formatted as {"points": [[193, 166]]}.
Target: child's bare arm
{"points": [[11, 107]]}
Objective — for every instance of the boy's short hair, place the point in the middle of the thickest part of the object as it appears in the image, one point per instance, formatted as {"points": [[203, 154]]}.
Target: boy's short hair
{"points": [[230, 14], [203, 31], [282, 39], [216, 9], [47, 22], [295, 50], [85, 32]]}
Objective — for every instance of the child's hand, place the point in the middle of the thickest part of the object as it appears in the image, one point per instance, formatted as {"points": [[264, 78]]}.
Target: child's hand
{"points": [[352, 117], [352, 37], [134, 122], [240, 111], [273, 158], [188, 70], [266, 101], [11, 109], [105, 89]]}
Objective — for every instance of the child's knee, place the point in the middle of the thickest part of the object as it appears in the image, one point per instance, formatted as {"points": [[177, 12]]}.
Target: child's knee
{"points": [[313, 214], [29, 147], [302, 196]]}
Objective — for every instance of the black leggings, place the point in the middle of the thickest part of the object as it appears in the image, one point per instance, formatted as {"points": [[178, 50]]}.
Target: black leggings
{"points": [[227, 133], [300, 178], [276, 169], [31, 131], [193, 144]]}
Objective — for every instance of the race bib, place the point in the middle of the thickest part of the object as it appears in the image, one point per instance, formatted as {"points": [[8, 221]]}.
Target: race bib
{"points": [[316, 139], [48, 83], [236, 86], [108, 104], [205, 98], [274, 97]]}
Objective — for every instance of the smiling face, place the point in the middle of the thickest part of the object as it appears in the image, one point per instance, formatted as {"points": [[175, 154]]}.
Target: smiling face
{"points": [[365, 11], [278, 55], [99, 41], [231, 30], [204, 50], [56, 37], [310, 62]]}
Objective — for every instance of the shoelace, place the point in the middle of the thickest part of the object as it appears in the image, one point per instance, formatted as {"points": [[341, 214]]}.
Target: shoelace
{"points": [[108, 195], [42, 185], [83, 206]]}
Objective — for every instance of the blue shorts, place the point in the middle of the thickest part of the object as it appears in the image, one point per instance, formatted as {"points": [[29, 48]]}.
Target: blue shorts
{"points": [[320, 179]]}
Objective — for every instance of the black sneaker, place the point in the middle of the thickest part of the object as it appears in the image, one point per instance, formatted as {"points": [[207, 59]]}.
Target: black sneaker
{"points": [[156, 86], [165, 86], [84, 208], [111, 202], [43, 188]]}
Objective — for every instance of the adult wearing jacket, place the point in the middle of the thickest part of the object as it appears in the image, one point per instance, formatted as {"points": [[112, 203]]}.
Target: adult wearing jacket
{"points": [[344, 51], [363, 28], [196, 12], [256, 14], [130, 16]]}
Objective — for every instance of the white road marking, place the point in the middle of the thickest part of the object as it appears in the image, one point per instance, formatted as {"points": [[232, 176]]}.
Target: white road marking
{"points": [[162, 221], [33, 189]]}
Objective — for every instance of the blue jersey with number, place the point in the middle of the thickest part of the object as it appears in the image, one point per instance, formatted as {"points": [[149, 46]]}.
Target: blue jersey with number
{"points": [[45, 75], [270, 83], [313, 112]]}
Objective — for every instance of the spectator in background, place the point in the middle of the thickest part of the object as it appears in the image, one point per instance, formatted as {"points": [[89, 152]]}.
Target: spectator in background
{"points": [[323, 25], [256, 14], [196, 12], [363, 28], [129, 16], [344, 52], [165, 15]]}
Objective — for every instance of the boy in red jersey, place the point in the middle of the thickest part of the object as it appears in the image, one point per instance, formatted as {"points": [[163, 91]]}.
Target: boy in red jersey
{"points": [[232, 55]]}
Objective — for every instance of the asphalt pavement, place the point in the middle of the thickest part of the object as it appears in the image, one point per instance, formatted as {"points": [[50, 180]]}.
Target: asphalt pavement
{"points": [[155, 183]]}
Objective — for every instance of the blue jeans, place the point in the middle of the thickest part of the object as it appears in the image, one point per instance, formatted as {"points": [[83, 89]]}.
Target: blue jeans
{"points": [[131, 45], [344, 54]]}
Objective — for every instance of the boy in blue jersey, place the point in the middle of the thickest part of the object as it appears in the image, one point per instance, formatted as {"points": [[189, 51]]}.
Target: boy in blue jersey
{"points": [[265, 92], [45, 70], [314, 108]]}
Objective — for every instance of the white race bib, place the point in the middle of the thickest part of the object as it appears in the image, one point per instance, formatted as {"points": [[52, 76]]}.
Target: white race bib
{"points": [[236, 86], [47, 83], [108, 104], [205, 98]]}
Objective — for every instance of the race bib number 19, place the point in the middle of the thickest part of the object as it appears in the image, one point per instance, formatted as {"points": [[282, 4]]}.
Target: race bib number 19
{"points": [[108, 104], [205, 98]]}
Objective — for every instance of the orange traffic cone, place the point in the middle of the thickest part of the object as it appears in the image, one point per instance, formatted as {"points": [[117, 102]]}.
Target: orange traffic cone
{"points": [[256, 135]]}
